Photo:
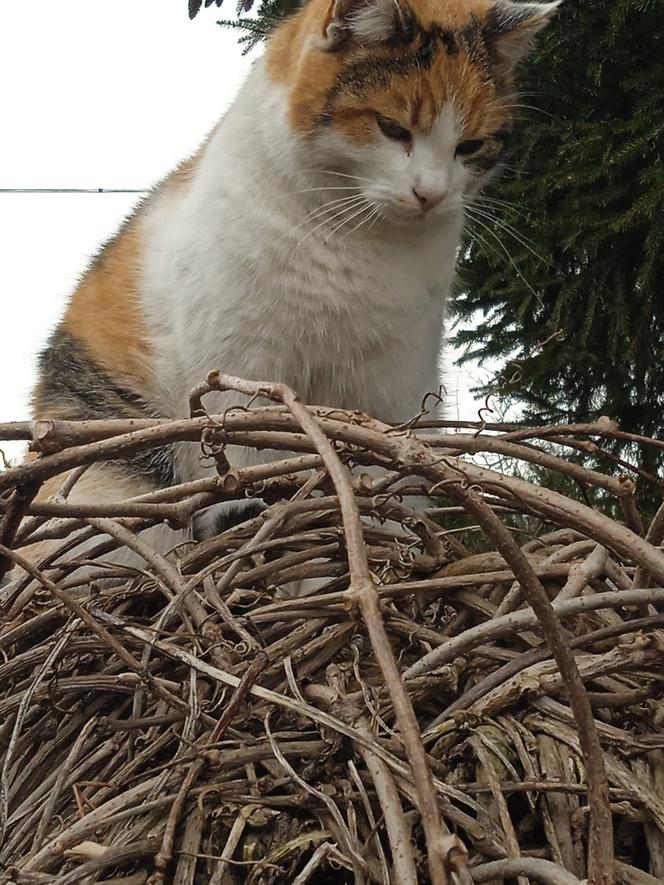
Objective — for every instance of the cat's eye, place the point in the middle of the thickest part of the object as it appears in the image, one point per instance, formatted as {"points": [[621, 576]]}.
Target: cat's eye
{"points": [[392, 130], [467, 148]]}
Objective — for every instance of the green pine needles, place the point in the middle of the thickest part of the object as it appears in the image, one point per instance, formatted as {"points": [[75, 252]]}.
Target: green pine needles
{"points": [[253, 24], [585, 202]]}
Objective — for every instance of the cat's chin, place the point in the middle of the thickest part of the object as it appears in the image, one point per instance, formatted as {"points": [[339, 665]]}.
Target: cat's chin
{"points": [[401, 217]]}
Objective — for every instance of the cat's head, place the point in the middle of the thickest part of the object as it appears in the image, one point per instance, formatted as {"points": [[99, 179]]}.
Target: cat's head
{"points": [[408, 101]]}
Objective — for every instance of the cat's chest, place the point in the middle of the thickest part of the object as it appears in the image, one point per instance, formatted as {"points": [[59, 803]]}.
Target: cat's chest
{"points": [[348, 323], [307, 283]]}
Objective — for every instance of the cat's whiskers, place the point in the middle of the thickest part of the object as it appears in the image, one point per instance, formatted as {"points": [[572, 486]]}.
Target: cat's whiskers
{"points": [[318, 211], [371, 207], [508, 228], [485, 219], [470, 215], [366, 205], [327, 187], [500, 207], [369, 220], [504, 167], [343, 175], [485, 199], [379, 215], [510, 98], [348, 207], [506, 252], [505, 205], [484, 243], [520, 106]]}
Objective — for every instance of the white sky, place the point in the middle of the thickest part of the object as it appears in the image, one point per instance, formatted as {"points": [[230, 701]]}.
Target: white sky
{"points": [[96, 95]]}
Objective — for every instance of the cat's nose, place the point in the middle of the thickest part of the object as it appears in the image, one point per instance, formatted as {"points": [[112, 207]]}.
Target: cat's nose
{"points": [[428, 197]]}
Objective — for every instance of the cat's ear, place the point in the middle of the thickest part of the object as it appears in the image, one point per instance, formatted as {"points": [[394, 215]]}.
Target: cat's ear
{"points": [[368, 22], [510, 27]]}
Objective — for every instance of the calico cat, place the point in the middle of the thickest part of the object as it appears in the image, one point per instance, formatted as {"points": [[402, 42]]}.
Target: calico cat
{"points": [[312, 239]]}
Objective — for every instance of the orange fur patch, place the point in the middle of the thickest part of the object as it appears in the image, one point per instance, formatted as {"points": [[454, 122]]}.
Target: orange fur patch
{"points": [[319, 91], [100, 484], [182, 176], [105, 313]]}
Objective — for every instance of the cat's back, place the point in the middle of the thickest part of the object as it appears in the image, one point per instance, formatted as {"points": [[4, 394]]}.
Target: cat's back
{"points": [[97, 361]]}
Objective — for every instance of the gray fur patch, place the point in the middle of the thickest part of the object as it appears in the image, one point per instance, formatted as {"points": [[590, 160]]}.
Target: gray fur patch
{"points": [[226, 515], [76, 387]]}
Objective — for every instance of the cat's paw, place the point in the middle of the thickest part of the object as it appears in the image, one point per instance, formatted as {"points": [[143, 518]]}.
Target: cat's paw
{"points": [[223, 516]]}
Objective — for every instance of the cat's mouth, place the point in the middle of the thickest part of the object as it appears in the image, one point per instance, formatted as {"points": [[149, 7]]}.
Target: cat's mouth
{"points": [[409, 214]]}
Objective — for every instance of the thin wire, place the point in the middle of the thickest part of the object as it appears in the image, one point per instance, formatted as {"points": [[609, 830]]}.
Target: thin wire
{"points": [[69, 190]]}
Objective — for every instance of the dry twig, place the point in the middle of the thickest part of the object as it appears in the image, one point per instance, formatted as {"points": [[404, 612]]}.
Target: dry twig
{"points": [[431, 715]]}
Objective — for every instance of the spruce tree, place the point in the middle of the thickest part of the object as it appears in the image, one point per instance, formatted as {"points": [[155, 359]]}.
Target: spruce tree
{"points": [[576, 246], [253, 22]]}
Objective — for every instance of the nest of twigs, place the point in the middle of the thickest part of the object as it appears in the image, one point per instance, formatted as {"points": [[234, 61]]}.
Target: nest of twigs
{"points": [[430, 714]]}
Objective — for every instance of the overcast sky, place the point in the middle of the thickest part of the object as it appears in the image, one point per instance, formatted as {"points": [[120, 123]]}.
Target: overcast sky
{"points": [[95, 94]]}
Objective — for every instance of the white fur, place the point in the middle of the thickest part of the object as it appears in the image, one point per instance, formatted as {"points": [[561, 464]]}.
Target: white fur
{"points": [[236, 278], [366, 21], [518, 23], [373, 22], [509, 15]]}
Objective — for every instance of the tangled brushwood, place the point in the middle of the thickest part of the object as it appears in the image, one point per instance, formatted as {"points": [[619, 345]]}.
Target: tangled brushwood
{"points": [[431, 714]]}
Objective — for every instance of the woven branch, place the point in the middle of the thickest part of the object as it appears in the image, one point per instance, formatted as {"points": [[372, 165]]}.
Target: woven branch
{"points": [[430, 714]]}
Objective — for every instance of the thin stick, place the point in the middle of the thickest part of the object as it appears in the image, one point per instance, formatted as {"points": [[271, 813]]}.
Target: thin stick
{"points": [[362, 593], [600, 839], [541, 870]]}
